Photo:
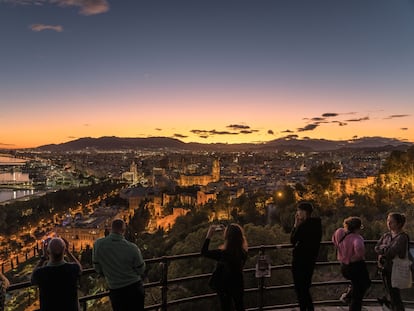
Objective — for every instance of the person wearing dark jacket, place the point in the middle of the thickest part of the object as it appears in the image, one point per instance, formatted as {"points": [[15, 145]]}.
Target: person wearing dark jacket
{"points": [[305, 237], [230, 257]]}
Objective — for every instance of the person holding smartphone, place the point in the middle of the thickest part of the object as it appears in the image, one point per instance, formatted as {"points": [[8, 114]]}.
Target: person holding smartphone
{"points": [[230, 257], [57, 279], [306, 236]]}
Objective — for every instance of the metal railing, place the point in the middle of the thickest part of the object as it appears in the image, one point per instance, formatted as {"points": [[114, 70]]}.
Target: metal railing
{"points": [[260, 290]]}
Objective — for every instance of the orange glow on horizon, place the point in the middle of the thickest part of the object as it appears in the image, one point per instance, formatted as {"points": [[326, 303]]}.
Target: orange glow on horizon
{"points": [[177, 116]]}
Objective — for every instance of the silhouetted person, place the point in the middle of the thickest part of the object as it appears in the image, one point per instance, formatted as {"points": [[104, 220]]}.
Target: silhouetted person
{"points": [[306, 237], [392, 244], [122, 265], [351, 254], [230, 257], [4, 283], [57, 279]]}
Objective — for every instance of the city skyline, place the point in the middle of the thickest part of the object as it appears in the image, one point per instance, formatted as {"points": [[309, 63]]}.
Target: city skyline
{"points": [[212, 71]]}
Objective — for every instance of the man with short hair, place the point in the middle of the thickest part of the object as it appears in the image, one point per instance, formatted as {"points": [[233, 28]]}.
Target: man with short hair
{"points": [[306, 236], [57, 279], [122, 265]]}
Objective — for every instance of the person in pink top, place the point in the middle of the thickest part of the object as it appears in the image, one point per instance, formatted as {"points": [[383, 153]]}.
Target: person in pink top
{"points": [[351, 254]]}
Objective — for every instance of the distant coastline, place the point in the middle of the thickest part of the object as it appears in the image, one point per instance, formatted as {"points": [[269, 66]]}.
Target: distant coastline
{"points": [[12, 194]]}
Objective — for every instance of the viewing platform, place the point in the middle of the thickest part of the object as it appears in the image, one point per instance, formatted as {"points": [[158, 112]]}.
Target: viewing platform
{"points": [[187, 292]]}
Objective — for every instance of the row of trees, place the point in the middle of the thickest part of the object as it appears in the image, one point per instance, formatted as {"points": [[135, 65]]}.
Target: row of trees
{"points": [[18, 214]]}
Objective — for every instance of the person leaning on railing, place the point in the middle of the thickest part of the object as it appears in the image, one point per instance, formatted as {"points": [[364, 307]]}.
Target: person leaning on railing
{"points": [[4, 283]]}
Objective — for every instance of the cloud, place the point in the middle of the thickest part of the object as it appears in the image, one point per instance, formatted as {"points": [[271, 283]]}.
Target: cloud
{"points": [[270, 132], [158, 129], [329, 114], [238, 127], [397, 116], [288, 137], [358, 120], [199, 132], [404, 128], [340, 123], [179, 136], [212, 132], [287, 131], [41, 27], [72, 137], [238, 130], [86, 7], [309, 127], [6, 145], [318, 119]]}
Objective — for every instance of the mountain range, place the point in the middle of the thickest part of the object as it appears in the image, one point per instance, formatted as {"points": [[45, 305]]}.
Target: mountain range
{"points": [[108, 143]]}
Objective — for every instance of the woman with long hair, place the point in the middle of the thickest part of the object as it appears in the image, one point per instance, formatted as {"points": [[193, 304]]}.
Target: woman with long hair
{"points": [[230, 257], [391, 244]]}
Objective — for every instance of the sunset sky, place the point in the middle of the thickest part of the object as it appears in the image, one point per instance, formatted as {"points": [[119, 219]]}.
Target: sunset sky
{"points": [[205, 71]]}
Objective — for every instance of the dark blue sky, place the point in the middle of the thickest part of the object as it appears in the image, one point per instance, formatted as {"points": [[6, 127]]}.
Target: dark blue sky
{"points": [[331, 56]]}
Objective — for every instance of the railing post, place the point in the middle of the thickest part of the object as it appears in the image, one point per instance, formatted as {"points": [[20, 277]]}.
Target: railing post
{"points": [[263, 270], [164, 283], [261, 284]]}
